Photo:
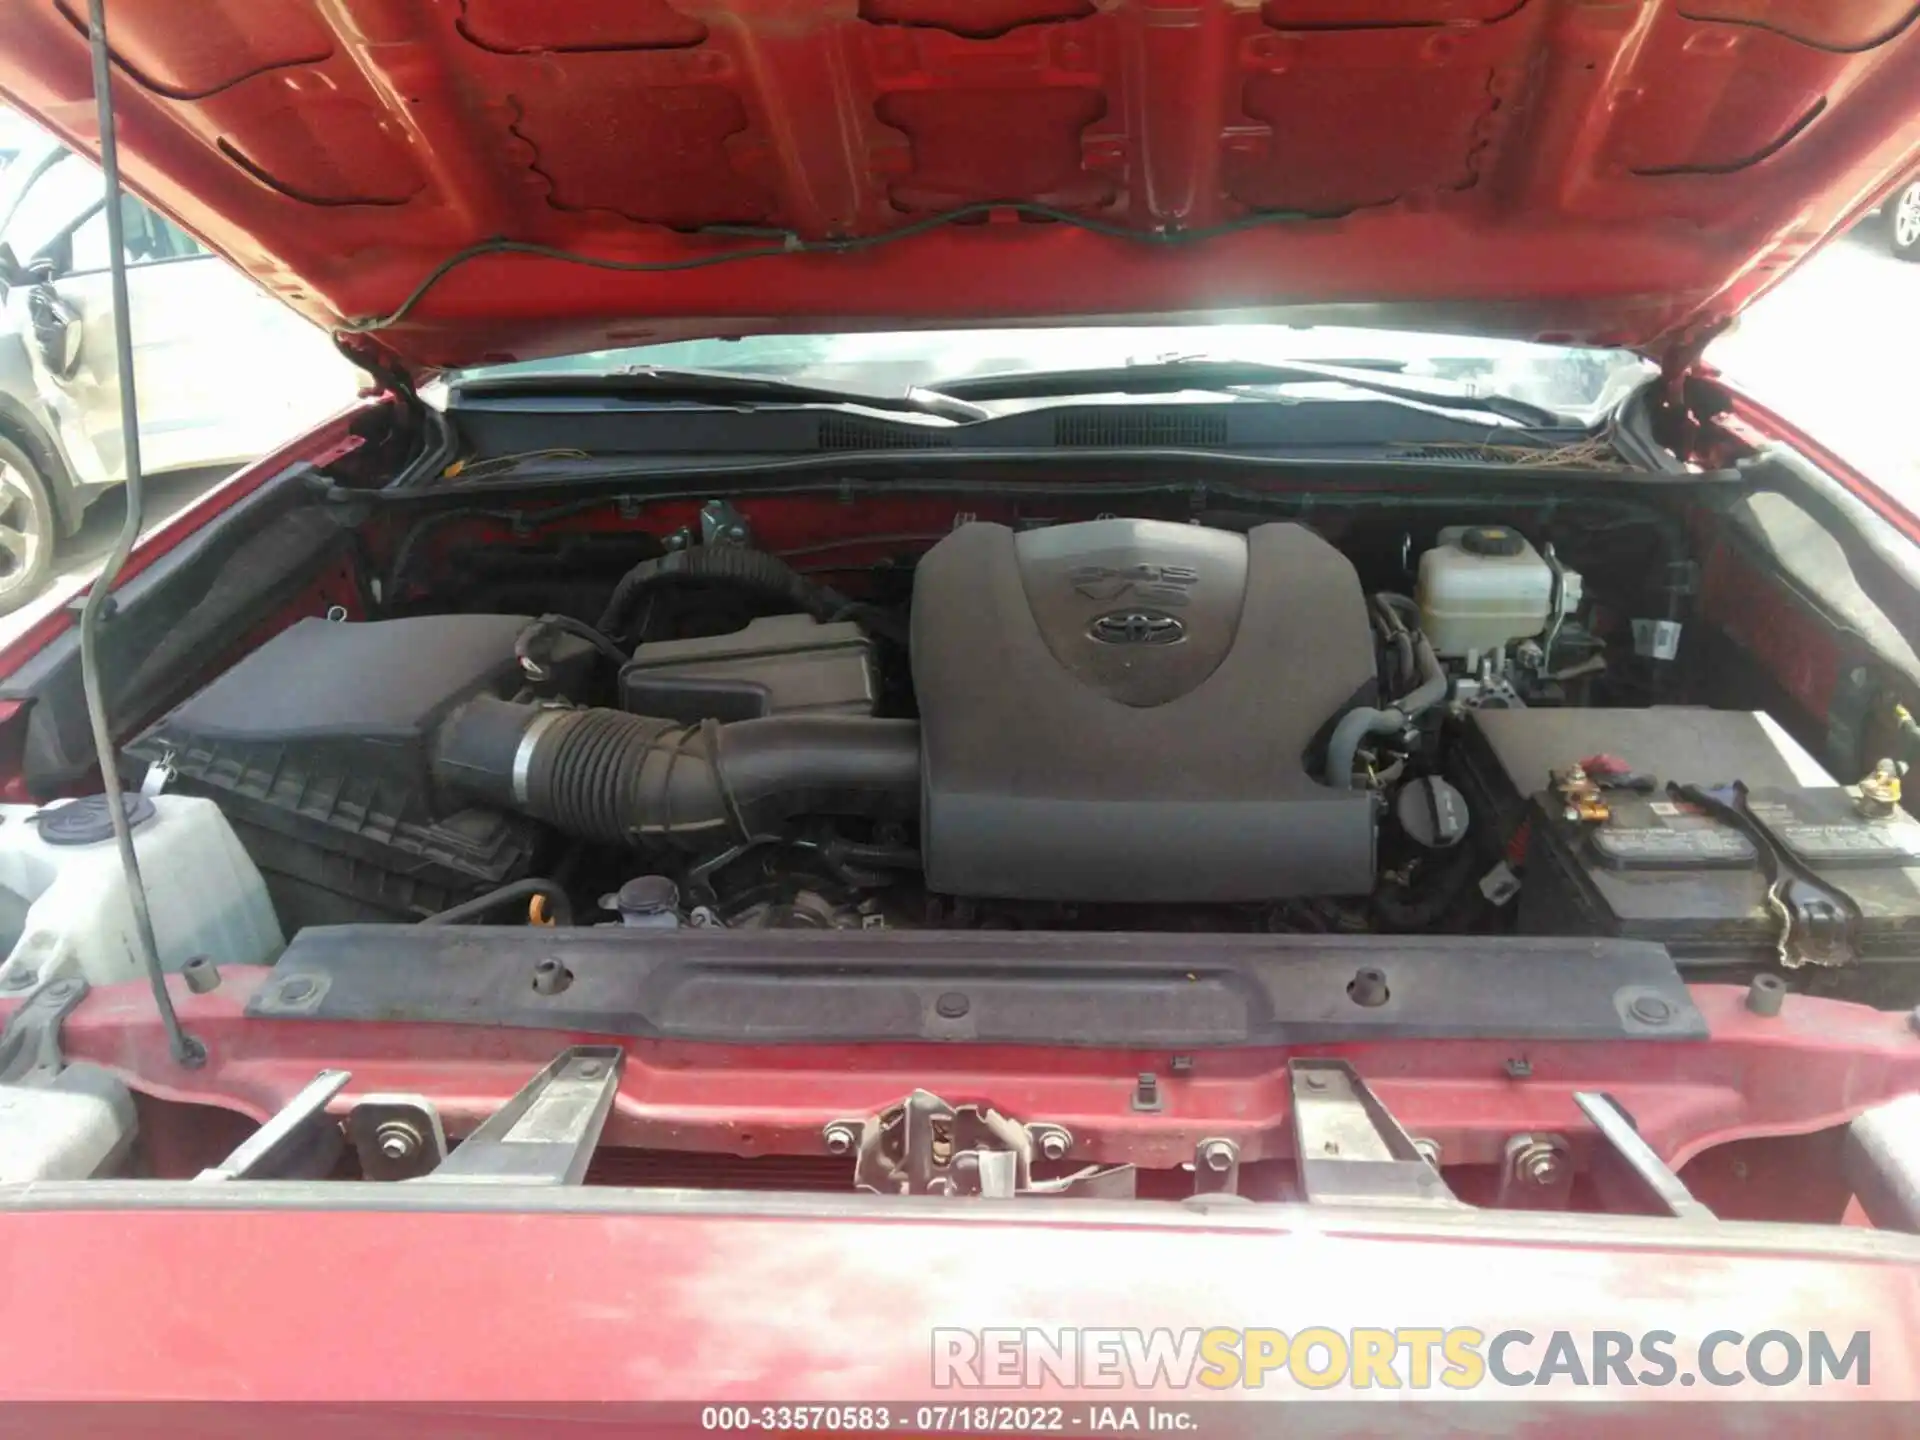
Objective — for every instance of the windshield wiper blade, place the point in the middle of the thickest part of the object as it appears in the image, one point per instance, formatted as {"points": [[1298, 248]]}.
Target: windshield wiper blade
{"points": [[720, 387], [1209, 374]]}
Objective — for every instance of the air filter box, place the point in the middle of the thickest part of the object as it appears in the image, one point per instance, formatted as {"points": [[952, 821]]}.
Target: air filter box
{"points": [[316, 747]]}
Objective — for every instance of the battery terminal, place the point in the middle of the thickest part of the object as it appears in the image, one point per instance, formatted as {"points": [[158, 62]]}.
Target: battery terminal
{"points": [[1581, 797], [1878, 795]]}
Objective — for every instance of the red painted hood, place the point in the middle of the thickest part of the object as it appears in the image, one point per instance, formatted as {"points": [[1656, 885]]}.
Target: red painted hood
{"points": [[1625, 173]]}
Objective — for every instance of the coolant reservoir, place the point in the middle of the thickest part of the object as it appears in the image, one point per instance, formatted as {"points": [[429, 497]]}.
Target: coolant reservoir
{"points": [[64, 909], [1484, 586]]}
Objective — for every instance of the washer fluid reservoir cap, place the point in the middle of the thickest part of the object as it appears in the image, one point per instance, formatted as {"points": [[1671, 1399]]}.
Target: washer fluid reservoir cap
{"points": [[85, 822], [1491, 540]]}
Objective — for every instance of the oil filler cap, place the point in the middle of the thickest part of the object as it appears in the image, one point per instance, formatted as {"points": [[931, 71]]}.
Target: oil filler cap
{"points": [[1491, 540], [85, 822], [650, 902], [1432, 812]]}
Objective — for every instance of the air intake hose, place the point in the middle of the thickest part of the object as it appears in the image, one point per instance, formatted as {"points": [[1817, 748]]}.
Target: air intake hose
{"points": [[608, 776]]}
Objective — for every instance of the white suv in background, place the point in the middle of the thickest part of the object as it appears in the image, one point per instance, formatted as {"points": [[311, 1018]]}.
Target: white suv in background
{"points": [[223, 372], [1902, 212]]}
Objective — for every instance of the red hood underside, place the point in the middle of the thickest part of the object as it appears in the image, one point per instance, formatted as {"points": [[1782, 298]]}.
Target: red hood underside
{"points": [[1625, 173]]}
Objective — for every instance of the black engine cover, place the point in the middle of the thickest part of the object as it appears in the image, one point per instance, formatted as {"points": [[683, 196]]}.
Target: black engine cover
{"points": [[1122, 710]]}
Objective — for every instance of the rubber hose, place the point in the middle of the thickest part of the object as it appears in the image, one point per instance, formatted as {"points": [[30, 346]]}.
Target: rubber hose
{"points": [[1433, 681], [872, 857], [558, 907], [607, 776], [1356, 725], [1395, 632], [1403, 656], [1403, 606], [754, 571]]}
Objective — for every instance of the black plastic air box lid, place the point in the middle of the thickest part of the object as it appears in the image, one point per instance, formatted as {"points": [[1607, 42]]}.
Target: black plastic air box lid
{"points": [[389, 680], [777, 665]]}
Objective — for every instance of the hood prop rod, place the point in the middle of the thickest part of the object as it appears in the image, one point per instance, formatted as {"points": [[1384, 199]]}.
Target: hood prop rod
{"points": [[186, 1050]]}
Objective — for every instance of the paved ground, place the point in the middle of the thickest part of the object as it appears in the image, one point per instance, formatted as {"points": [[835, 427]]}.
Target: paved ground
{"points": [[1836, 349]]}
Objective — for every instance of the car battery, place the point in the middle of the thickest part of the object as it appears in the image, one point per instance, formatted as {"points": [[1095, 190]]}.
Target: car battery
{"points": [[1661, 869]]}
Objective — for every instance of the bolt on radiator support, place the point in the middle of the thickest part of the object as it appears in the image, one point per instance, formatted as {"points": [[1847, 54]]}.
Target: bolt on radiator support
{"points": [[397, 1137], [1536, 1173], [1216, 1167]]}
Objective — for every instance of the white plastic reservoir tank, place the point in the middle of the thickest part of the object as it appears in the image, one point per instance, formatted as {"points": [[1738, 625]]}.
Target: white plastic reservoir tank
{"points": [[64, 909], [1484, 586]]}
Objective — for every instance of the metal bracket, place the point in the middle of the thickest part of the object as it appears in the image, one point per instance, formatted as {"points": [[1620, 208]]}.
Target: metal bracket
{"points": [[924, 1146], [1350, 1150], [711, 529], [546, 1134], [1628, 1163], [1536, 1174], [30, 1045], [1216, 1167], [721, 524], [160, 774], [1491, 691], [397, 1137], [298, 1142]]}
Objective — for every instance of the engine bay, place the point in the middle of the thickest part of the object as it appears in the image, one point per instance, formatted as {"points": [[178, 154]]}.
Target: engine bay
{"points": [[984, 841], [1116, 723]]}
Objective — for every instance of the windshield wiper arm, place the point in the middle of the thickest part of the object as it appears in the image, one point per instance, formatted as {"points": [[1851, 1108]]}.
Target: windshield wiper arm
{"points": [[1209, 374], [720, 387]]}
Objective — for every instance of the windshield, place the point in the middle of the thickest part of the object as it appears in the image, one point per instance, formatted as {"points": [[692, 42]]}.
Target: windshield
{"points": [[1579, 383]]}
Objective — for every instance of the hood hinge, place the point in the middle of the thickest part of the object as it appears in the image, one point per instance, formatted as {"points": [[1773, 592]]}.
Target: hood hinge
{"points": [[1677, 416], [386, 368]]}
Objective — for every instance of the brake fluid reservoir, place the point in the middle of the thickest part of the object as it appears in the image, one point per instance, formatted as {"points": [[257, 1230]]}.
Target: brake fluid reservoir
{"points": [[64, 907], [1484, 586]]}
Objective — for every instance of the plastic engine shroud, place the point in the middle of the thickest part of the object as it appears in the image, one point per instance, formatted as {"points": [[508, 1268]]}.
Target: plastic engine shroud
{"points": [[1123, 710]]}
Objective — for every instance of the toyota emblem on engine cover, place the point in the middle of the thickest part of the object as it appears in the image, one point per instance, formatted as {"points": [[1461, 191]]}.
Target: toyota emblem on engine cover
{"points": [[1136, 627]]}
